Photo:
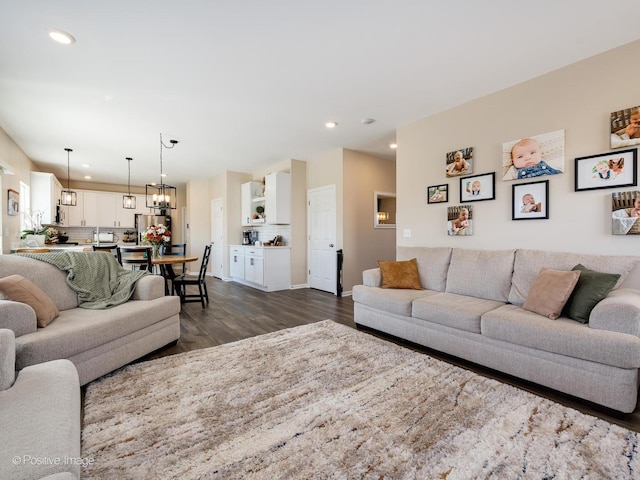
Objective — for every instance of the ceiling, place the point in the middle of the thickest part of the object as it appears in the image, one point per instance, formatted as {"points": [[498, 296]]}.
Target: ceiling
{"points": [[250, 83]]}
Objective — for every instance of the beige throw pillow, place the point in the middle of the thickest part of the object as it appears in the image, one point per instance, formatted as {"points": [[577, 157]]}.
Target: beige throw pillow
{"points": [[403, 274], [19, 289], [550, 291]]}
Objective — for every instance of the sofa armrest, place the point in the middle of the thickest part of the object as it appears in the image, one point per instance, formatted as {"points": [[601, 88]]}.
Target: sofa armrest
{"points": [[19, 317], [372, 277], [7, 358], [149, 287], [618, 312]]}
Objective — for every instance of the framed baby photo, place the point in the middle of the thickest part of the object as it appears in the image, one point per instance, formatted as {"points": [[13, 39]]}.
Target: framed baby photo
{"points": [[625, 127], [625, 213], [530, 201], [531, 157], [607, 170], [13, 202], [460, 220], [459, 162], [478, 187], [438, 193]]}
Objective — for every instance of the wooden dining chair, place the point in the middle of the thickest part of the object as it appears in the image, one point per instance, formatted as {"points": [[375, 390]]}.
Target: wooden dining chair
{"points": [[136, 257], [177, 249], [181, 282]]}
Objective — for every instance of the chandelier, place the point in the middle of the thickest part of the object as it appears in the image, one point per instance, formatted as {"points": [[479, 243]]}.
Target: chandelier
{"points": [[161, 196]]}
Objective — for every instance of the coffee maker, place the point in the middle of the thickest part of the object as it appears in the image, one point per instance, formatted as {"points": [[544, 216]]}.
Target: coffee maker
{"points": [[249, 237]]}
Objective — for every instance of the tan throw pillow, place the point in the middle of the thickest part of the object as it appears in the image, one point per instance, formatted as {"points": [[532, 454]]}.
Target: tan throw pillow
{"points": [[19, 289], [402, 274], [550, 291]]}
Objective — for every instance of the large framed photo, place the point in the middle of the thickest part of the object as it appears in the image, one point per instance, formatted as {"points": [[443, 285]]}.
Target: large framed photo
{"points": [[478, 187], [13, 202], [531, 157], [607, 170], [625, 127], [438, 193], [530, 200]]}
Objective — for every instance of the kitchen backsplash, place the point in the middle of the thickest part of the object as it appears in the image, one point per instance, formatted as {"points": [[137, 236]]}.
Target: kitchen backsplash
{"points": [[85, 234], [267, 232]]}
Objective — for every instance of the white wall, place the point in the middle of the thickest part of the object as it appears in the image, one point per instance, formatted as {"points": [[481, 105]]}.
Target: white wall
{"points": [[579, 99]]}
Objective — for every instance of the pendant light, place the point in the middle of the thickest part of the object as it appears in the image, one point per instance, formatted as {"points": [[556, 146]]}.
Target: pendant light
{"points": [[129, 201], [68, 196], [161, 196]]}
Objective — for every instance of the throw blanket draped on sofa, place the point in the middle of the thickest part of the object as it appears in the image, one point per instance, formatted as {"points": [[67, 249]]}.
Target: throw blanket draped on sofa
{"points": [[96, 277]]}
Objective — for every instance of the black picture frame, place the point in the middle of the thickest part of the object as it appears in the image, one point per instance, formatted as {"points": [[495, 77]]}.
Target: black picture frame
{"points": [[438, 193], [522, 209], [607, 170], [487, 187]]}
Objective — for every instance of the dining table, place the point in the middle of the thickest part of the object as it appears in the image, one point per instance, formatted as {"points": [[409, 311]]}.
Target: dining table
{"points": [[166, 262]]}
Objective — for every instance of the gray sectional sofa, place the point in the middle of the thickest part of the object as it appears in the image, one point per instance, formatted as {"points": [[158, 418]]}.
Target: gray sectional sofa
{"points": [[471, 307], [96, 341]]}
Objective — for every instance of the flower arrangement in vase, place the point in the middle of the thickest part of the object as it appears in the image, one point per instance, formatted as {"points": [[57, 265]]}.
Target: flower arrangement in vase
{"points": [[157, 236]]}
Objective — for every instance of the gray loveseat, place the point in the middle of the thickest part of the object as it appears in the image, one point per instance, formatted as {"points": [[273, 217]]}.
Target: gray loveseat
{"points": [[471, 308], [96, 341], [39, 418]]}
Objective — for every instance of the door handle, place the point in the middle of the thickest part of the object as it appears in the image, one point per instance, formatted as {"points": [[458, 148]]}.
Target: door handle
{"points": [[331, 245]]}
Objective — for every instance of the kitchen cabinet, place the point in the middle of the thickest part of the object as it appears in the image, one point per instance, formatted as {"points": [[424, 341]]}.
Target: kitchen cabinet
{"points": [[252, 196], [265, 268], [85, 212], [277, 197], [236, 262], [45, 195]]}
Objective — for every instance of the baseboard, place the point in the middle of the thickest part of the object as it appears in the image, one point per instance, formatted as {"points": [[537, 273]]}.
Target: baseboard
{"points": [[299, 286]]}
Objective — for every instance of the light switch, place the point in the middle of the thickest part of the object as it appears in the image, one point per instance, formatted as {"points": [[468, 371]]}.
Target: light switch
{"points": [[406, 233]]}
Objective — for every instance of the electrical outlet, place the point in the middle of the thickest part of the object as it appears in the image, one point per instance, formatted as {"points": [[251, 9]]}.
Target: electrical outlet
{"points": [[406, 233]]}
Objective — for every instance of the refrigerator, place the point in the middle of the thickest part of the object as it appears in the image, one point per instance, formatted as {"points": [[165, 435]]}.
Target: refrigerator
{"points": [[144, 221]]}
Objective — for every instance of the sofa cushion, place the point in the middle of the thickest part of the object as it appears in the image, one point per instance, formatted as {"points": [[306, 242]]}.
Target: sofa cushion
{"points": [[19, 289], [456, 311], [529, 262], [48, 278], [481, 273], [550, 291], [400, 274], [78, 330], [591, 288], [563, 336], [433, 264], [391, 300]]}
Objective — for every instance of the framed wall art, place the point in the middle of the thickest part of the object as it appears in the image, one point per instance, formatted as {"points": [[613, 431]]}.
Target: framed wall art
{"points": [[478, 187], [625, 127], [530, 201], [460, 220], [531, 157], [459, 162], [607, 170], [13, 202], [438, 193], [625, 213]]}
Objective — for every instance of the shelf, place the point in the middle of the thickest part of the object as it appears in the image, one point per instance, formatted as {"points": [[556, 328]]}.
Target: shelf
{"points": [[258, 199]]}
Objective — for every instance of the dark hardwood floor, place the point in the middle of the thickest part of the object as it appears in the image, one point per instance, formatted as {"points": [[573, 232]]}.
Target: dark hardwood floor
{"points": [[236, 312]]}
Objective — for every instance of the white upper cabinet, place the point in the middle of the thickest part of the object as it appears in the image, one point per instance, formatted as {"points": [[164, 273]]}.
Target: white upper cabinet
{"points": [[277, 198]]}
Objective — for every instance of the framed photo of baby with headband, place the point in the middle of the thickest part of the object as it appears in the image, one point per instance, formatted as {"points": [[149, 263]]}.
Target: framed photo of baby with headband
{"points": [[607, 170], [530, 201]]}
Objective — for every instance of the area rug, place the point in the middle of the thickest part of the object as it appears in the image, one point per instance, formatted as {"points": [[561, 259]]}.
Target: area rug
{"points": [[328, 401]]}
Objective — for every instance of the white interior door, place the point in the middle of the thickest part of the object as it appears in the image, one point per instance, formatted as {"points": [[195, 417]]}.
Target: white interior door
{"points": [[321, 214], [217, 246]]}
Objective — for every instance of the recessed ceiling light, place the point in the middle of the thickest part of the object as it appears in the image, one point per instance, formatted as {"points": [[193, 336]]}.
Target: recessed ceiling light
{"points": [[88, 177], [86, 165], [393, 145], [331, 124], [61, 37]]}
